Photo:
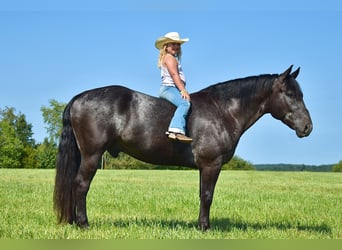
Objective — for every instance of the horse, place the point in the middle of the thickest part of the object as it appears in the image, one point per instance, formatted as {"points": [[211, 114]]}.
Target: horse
{"points": [[117, 119]]}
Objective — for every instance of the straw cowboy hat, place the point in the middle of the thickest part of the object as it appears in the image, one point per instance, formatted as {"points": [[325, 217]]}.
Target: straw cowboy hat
{"points": [[171, 37]]}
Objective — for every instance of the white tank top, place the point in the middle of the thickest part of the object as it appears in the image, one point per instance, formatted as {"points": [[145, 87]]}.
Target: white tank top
{"points": [[166, 77]]}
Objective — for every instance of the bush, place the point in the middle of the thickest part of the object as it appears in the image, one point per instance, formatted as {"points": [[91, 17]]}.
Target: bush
{"points": [[123, 161], [338, 167], [46, 154], [237, 163]]}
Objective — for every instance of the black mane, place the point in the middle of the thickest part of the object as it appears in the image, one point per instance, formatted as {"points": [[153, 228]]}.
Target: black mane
{"points": [[242, 88]]}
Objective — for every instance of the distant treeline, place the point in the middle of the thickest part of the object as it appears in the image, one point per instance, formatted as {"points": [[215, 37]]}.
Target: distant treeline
{"points": [[293, 167]]}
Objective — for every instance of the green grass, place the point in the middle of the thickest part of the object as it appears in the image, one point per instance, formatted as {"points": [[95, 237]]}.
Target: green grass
{"points": [[152, 204]]}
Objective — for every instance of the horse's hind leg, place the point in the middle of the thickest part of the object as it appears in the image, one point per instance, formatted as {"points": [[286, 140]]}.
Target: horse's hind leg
{"points": [[82, 182]]}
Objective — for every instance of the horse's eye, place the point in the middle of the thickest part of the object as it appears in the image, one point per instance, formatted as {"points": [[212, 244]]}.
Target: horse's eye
{"points": [[290, 93]]}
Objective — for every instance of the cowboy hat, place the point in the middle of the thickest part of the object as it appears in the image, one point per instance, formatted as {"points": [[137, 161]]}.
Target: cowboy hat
{"points": [[171, 37]]}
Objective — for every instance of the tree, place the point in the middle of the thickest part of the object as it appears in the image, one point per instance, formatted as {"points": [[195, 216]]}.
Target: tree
{"points": [[47, 151], [46, 155], [52, 116], [23, 130], [338, 167], [11, 148], [16, 142], [237, 163]]}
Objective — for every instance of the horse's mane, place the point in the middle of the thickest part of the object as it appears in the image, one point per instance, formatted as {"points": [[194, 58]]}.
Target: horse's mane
{"points": [[242, 87]]}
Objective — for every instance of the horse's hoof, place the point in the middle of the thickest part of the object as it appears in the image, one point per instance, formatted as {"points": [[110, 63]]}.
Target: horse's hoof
{"points": [[203, 227], [83, 225]]}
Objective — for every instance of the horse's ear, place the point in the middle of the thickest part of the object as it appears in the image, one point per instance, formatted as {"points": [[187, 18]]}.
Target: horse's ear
{"points": [[286, 73], [295, 73]]}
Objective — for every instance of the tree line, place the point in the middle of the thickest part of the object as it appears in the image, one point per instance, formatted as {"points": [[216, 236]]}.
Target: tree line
{"points": [[18, 149], [295, 167]]}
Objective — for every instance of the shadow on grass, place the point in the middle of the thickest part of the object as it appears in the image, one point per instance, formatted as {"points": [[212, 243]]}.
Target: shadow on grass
{"points": [[230, 224], [222, 224]]}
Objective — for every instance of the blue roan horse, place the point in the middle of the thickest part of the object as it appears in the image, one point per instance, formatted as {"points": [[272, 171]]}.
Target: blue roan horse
{"points": [[118, 119]]}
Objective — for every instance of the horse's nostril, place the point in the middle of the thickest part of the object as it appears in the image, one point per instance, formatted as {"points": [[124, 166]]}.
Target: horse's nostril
{"points": [[308, 128]]}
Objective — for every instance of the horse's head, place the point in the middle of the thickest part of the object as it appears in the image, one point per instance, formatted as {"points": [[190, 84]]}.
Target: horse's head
{"points": [[287, 103]]}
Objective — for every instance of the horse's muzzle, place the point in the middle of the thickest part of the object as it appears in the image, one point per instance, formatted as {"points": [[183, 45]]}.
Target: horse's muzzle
{"points": [[305, 131]]}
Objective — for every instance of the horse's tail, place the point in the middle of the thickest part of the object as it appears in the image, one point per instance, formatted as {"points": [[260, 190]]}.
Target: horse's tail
{"points": [[67, 166]]}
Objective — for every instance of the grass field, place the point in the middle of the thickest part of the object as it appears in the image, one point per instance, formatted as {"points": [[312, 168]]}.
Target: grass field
{"points": [[149, 204]]}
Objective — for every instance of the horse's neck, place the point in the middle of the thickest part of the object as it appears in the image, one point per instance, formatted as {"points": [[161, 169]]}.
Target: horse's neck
{"points": [[250, 109], [252, 114], [243, 101]]}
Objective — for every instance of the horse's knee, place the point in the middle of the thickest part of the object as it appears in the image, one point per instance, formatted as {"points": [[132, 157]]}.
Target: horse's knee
{"points": [[81, 184]]}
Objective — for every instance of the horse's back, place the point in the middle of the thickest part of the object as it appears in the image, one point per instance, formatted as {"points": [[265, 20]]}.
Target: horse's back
{"points": [[117, 108], [127, 121]]}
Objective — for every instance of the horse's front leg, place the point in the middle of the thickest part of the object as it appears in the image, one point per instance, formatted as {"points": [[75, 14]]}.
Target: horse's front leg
{"points": [[208, 179]]}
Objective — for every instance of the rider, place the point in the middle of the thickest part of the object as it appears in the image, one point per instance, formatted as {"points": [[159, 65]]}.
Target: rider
{"points": [[173, 83]]}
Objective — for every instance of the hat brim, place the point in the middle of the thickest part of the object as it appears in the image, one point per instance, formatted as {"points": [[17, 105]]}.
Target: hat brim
{"points": [[165, 40]]}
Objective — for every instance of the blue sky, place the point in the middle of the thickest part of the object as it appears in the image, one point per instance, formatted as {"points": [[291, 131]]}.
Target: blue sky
{"points": [[55, 50]]}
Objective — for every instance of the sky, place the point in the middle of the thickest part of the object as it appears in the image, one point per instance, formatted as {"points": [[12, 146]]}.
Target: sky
{"points": [[57, 49]]}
